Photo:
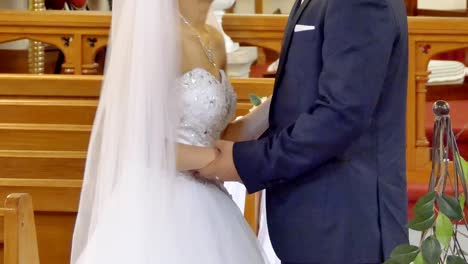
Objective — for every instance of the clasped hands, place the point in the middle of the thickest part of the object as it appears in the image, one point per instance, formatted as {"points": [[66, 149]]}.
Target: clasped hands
{"points": [[222, 168]]}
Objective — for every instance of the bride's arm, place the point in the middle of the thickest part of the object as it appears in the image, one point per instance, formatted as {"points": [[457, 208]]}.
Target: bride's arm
{"points": [[193, 157], [251, 126]]}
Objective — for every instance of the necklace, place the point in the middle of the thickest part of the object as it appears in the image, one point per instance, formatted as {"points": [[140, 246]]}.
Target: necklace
{"points": [[206, 49]]}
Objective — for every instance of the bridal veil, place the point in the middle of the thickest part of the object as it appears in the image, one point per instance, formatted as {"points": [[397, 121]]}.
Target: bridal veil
{"points": [[131, 152]]}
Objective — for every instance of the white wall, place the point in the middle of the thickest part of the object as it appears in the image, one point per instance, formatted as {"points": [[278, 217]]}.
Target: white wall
{"points": [[18, 5], [13, 4], [441, 4]]}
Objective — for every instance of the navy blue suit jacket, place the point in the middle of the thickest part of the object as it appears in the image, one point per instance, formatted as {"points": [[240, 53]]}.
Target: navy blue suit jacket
{"points": [[333, 159]]}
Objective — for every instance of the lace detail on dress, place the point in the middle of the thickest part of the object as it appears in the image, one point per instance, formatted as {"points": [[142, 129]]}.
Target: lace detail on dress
{"points": [[207, 105]]}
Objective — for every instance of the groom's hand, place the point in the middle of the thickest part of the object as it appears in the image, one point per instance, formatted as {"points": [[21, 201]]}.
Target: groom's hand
{"points": [[222, 168]]}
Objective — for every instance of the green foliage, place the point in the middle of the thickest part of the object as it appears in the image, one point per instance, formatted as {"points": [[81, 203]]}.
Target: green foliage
{"points": [[431, 250], [255, 100], [403, 254], [461, 199], [444, 230], [424, 210], [425, 205], [450, 206], [435, 214], [419, 259], [464, 165], [455, 260], [421, 222]]}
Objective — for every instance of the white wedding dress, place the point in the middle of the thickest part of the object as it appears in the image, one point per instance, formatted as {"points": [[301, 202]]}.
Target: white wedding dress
{"points": [[213, 227], [134, 206], [198, 221]]}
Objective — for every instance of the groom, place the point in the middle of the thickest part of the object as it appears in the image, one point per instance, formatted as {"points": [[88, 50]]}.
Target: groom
{"points": [[333, 159]]}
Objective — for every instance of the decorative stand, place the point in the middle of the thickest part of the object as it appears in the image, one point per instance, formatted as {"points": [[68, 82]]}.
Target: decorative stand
{"points": [[36, 52], [444, 148], [439, 214], [448, 187]]}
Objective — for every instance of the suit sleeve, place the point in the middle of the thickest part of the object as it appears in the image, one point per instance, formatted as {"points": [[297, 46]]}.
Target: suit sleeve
{"points": [[359, 36]]}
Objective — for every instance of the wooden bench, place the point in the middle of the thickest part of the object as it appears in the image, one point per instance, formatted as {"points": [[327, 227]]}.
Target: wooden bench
{"points": [[45, 123], [18, 244]]}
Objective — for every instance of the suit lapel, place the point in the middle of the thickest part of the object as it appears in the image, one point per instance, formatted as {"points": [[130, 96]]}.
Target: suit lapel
{"points": [[288, 35], [294, 9]]}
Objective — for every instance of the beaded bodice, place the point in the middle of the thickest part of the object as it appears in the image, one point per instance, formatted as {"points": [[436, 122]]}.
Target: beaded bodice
{"points": [[206, 107]]}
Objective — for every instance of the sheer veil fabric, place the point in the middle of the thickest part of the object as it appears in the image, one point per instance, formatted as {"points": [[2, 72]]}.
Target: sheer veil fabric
{"points": [[131, 153]]}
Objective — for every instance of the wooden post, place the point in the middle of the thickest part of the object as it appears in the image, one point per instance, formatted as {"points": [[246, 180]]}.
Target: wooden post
{"points": [[258, 6], [421, 81]]}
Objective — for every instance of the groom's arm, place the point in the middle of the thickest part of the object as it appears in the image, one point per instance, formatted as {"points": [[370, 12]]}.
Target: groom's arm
{"points": [[358, 40]]}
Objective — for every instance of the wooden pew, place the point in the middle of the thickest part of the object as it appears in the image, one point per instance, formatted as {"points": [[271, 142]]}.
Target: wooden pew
{"points": [[47, 120], [18, 244]]}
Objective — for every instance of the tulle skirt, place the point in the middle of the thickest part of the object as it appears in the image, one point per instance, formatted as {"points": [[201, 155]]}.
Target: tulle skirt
{"points": [[188, 222]]}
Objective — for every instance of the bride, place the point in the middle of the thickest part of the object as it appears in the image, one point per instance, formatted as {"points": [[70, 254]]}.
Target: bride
{"points": [[135, 207]]}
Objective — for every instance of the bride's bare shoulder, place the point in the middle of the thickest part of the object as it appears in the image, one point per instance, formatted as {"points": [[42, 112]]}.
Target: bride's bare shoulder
{"points": [[216, 37]]}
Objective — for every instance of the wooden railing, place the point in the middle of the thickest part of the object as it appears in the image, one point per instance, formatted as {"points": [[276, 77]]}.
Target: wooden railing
{"points": [[79, 35], [427, 37]]}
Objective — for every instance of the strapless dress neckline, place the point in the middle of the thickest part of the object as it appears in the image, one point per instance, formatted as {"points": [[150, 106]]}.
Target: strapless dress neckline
{"points": [[221, 79]]}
